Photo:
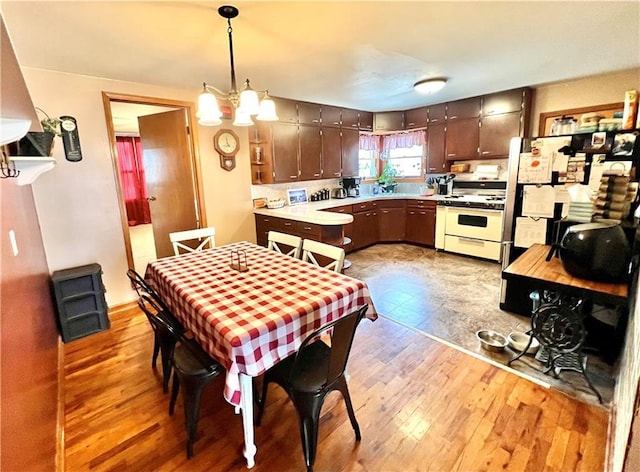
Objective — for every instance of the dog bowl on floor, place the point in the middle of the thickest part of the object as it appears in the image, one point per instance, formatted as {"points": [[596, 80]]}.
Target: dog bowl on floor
{"points": [[491, 341], [518, 341]]}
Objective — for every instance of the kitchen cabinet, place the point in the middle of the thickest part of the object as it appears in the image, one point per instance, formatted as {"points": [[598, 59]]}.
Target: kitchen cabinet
{"points": [[350, 147], [391, 220], [462, 138], [349, 118], [503, 102], [415, 118], [421, 222], [437, 113], [496, 132], [285, 152], [308, 113], [463, 109], [310, 141], [388, 121], [331, 116], [348, 228], [286, 109], [331, 153], [365, 224], [330, 234], [436, 159], [365, 121]]}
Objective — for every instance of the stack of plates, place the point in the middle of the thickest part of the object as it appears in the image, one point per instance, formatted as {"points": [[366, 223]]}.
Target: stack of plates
{"points": [[582, 212], [614, 198]]}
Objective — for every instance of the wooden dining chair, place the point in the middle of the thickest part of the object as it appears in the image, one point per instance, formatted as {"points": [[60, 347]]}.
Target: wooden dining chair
{"points": [[311, 249], [276, 239], [311, 374], [203, 238]]}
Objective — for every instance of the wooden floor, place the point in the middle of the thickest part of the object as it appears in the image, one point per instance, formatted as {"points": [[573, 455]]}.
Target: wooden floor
{"points": [[422, 406]]}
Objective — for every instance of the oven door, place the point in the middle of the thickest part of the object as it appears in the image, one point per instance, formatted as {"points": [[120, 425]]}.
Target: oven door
{"points": [[474, 223]]}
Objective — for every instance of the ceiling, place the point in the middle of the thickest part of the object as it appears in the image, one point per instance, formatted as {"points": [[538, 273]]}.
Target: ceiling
{"points": [[364, 55]]}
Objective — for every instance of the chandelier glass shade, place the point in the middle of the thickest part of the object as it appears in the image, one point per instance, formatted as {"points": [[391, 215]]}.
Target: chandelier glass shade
{"points": [[247, 102]]}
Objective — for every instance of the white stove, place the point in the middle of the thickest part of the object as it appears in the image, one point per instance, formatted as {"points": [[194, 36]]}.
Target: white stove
{"points": [[469, 221]]}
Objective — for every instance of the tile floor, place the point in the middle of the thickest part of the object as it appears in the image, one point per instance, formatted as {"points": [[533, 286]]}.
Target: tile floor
{"points": [[450, 297]]}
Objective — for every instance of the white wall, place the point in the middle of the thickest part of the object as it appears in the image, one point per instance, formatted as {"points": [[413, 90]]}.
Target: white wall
{"points": [[595, 90], [77, 202]]}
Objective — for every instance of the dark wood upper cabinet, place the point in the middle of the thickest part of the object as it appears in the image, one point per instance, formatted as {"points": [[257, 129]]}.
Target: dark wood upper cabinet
{"points": [[285, 152], [330, 115], [496, 132], [331, 153], [415, 118], [349, 118], [350, 151], [308, 113], [366, 121], [388, 121], [286, 109], [437, 113], [462, 139], [310, 139], [435, 148], [503, 102], [462, 109]]}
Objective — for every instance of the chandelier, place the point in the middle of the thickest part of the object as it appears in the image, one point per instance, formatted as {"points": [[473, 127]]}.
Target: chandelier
{"points": [[246, 103]]}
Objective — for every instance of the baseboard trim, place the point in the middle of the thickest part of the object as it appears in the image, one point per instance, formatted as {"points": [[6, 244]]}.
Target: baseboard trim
{"points": [[123, 307]]}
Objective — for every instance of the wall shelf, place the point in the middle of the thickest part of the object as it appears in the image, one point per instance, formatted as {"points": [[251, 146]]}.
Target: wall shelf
{"points": [[31, 167]]}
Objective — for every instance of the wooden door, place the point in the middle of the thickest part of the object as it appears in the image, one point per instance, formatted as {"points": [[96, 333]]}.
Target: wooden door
{"points": [[462, 139], [170, 180], [496, 132], [350, 152], [285, 152], [310, 152], [331, 153], [435, 148]]}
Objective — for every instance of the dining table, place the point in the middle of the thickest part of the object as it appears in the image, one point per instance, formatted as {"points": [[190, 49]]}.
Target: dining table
{"points": [[250, 307]]}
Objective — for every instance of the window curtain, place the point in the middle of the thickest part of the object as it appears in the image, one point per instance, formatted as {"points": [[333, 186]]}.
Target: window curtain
{"points": [[369, 142], [134, 185], [403, 140]]}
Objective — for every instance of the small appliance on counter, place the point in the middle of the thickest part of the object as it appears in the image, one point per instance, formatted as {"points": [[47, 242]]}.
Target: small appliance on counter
{"points": [[339, 192], [352, 186]]}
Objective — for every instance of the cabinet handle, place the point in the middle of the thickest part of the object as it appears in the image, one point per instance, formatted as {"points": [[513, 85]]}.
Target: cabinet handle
{"points": [[410, 124], [337, 173], [432, 168], [354, 125], [288, 224], [412, 212], [451, 155], [486, 152], [385, 211], [316, 175], [315, 121], [452, 117], [307, 228], [293, 176], [435, 120]]}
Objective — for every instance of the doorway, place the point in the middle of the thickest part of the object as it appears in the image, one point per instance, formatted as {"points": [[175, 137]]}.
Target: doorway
{"points": [[147, 118]]}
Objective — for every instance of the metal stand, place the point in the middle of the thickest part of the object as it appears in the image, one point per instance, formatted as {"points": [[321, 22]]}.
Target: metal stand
{"points": [[557, 324]]}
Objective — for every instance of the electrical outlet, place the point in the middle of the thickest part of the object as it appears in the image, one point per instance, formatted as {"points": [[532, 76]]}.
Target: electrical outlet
{"points": [[14, 244]]}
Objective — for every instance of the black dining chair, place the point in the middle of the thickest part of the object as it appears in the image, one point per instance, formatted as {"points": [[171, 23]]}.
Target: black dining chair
{"points": [[193, 370], [167, 330], [311, 374]]}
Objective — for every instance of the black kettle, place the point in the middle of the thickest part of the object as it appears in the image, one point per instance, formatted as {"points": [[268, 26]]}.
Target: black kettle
{"points": [[596, 251]]}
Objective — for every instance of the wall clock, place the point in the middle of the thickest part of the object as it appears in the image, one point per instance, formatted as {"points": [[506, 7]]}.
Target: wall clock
{"points": [[227, 144]]}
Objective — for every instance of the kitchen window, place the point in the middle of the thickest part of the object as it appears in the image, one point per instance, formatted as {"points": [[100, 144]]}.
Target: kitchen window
{"points": [[407, 161], [368, 156]]}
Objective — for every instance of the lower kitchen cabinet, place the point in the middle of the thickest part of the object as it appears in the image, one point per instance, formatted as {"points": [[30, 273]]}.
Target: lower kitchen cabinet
{"points": [[365, 228], [391, 221], [421, 222], [330, 234]]}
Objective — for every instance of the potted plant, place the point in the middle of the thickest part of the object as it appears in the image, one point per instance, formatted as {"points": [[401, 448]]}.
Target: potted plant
{"points": [[40, 143], [387, 179]]}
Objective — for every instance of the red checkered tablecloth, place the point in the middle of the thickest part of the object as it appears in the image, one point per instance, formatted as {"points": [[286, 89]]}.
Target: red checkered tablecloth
{"points": [[251, 320]]}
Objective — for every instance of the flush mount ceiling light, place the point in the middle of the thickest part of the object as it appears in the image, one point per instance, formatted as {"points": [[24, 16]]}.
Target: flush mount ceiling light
{"points": [[430, 85], [246, 103]]}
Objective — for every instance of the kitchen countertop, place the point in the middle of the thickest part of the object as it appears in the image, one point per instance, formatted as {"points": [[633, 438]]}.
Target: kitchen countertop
{"points": [[311, 212]]}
